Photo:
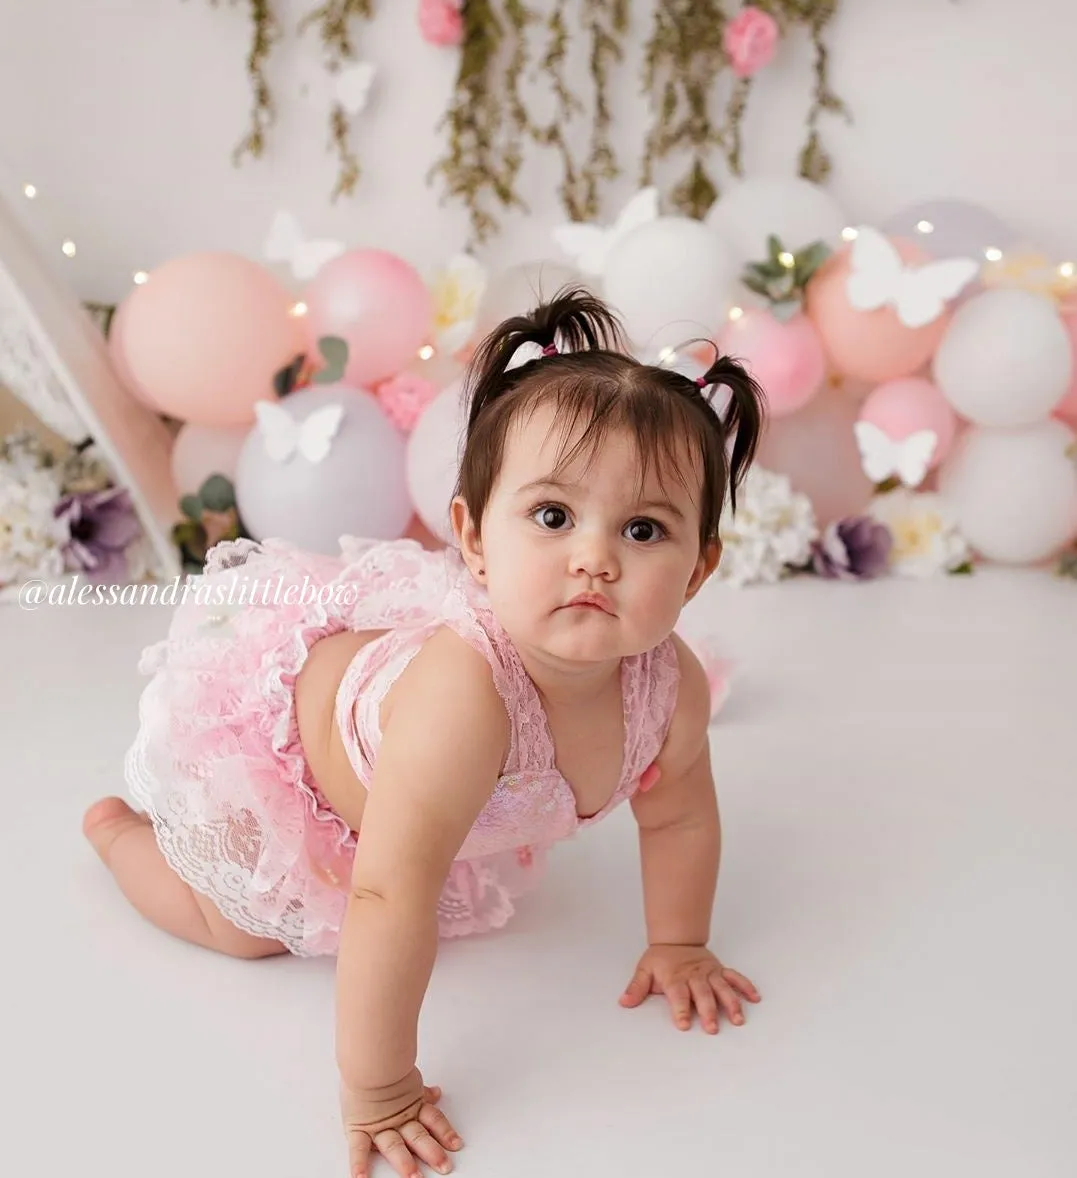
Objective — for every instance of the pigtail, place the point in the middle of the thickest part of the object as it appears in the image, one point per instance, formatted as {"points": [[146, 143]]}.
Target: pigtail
{"points": [[574, 320], [743, 418]]}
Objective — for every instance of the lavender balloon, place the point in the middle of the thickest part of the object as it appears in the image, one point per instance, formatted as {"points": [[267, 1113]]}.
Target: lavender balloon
{"points": [[320, 464], [951, 228]]}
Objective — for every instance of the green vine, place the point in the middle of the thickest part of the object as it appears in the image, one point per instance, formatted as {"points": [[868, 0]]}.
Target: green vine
{"points": [[485, 155], [333, 20]]}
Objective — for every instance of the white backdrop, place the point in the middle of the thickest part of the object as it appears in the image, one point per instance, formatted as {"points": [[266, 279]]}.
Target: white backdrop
{"points": [[124, 114]]}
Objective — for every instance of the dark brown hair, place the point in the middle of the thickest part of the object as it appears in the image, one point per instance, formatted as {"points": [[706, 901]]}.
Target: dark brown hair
{"points": [[591, 379]]}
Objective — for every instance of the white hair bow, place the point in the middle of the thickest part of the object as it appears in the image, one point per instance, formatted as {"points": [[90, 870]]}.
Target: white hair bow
{"points": [[528, 351]]}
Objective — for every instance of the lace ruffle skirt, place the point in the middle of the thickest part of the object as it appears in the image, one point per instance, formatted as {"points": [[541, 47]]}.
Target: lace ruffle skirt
{"points": [[218, 766]]}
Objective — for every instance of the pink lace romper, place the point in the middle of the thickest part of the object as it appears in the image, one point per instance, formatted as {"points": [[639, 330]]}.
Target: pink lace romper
{"points": [[218, 766]]}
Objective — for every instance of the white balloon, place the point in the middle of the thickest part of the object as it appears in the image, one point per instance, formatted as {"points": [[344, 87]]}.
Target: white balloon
{"points": [[1013, 492], [669, 280], [796, 211], [435, 447], [521, 288], [1006, 358]]}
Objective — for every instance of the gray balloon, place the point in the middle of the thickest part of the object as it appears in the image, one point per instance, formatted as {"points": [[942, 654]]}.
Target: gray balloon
{"points": [[950, 228], [313, 481]]}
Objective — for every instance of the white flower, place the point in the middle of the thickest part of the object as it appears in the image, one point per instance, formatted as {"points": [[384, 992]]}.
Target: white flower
{"points": [[31, 538], [773, 529], [457, 290], [926, 539]]}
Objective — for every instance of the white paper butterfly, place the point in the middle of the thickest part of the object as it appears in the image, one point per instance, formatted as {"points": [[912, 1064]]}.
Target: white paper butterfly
{"points": [[879, 278], [589, 245], [286, 243], [353, 86], [284, 436], [882, 457]]}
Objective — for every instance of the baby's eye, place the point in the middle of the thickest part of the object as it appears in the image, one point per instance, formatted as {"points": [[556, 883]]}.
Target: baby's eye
{"points": [[551, 517], [644, 531]]}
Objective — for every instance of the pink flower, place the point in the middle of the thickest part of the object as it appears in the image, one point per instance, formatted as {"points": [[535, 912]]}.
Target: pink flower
{"points": [[404, 397], [441, 22], [750, 40]]}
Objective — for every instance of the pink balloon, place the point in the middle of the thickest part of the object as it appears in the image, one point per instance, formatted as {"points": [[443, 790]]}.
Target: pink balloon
{"points": [[378, 304], [786, 358], [1066, 409], [817, 449], [202, 339], [870, 345], [203, 450], [902, 407]]}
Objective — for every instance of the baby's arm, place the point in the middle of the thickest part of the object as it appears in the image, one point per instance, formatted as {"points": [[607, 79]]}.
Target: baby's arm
{"points": [[679, 826], [680, 837], [443, 744]]}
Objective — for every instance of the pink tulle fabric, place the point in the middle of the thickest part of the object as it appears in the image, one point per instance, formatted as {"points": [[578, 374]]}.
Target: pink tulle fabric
{"points": [[218, 765]]}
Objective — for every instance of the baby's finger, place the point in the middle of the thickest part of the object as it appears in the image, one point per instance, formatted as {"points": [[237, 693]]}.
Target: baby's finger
{"points": [[391, 1146], [431, 1093], [739, 982], [728, 998], [438, 1124], [705, 1004], [359, 1147], [637, 989], [680, 1001], [423, 1144]]}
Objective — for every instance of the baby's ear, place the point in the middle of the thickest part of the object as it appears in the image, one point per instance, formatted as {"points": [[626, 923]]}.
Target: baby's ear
{"points": [[467, 538], [705, 565]]}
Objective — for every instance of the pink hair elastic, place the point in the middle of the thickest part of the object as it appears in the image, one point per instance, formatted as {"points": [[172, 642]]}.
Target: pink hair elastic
{"points": [[550, 350]]}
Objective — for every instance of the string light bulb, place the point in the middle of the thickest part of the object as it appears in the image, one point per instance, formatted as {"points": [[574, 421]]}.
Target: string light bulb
{"points": [[787, 259], [848, 233], [426, 352], [298, 310], [992, 254], [140, 277], [29, 191], [1067, 269], [69, 248], [736, 313], [667, 356], [925, 227]]}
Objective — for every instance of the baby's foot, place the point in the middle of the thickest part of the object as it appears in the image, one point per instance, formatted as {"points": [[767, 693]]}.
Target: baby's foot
{"points": [[106, 820]]}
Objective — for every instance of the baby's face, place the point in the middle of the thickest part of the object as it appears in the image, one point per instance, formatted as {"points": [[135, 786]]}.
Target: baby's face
{"points": [[589, 531]]}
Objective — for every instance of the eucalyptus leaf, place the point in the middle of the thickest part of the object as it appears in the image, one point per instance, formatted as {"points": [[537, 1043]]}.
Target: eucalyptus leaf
{"points": [[775, 249], [334, 351], [757, 286], [785, 310], [191, 506], [285, 380], [217, 493]]}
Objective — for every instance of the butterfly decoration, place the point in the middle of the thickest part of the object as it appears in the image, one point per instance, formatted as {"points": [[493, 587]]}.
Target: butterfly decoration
{"points": [[353, 85], [879, 278], [883, 458], [286, 243], [284, 436], [589, 245]]}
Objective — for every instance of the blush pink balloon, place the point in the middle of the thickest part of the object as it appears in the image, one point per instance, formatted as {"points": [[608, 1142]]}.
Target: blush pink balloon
{"points": [[379, 304], [786, 358], [1066, 409], [203, 337], [902, 407], [869, 345]]}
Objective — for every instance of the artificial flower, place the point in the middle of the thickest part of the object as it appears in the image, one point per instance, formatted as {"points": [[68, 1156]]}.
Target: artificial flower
{"points": [[457, 291], [441, 22], [404, 397], [31, 538], [925, 538], [771, 532], [750, 40], [854, 549], [100, 524]]}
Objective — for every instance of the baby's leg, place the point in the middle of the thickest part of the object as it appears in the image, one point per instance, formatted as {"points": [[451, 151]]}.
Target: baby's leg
{"points": [[126, 844]]}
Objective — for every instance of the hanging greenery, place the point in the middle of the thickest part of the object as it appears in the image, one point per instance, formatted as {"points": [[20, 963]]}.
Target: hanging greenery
{"points": [[690, 48], [333, 21]]}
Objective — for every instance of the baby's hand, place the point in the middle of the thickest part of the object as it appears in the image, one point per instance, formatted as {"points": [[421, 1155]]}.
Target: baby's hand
{"points": [[690, 975], [404, 1126]]}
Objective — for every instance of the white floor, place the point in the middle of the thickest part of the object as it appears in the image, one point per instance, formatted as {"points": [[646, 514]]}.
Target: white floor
{"points": [[898, 775]]}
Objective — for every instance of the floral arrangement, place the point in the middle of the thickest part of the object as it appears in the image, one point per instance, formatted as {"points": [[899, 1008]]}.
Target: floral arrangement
{"points": [[774, 535], [63, 515]]}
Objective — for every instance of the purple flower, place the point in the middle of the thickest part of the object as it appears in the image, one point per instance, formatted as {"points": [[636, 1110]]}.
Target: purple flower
{"points": [[100, 526], [855, 549]]}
